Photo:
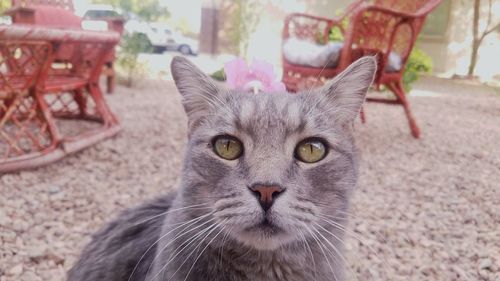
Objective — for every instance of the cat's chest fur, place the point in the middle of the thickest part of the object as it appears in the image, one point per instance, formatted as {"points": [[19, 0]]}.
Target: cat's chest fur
{"points": [[278, 266], [235, 265]]}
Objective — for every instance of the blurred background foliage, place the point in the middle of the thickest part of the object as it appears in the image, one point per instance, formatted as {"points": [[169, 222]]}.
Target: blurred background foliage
{"points": [[244, 18], [4, 5], [127, 61], [418, 63], [130, 69]]}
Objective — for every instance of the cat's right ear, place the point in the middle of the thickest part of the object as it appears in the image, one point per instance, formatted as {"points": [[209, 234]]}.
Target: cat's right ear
{"points": [[199, 92], [346, 93]]}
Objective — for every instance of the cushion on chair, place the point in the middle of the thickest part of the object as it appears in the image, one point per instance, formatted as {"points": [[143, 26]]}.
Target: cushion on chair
{"points": [[394, 62], [307, 53]]}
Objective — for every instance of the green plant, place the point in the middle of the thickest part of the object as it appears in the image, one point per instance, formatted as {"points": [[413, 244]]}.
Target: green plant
{"points": [[336, 33], [219, 75], [130, 48], [4, 5], [418, 63], [244, 19]]}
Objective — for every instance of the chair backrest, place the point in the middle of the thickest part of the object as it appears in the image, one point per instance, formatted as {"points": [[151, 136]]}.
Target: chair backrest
{"points": [[64, 4], [307, 27], [385, 27], [49, 13], [409, 7]]}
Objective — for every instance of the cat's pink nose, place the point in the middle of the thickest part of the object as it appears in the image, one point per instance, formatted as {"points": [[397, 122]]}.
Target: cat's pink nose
{"points": [[266, 194]]}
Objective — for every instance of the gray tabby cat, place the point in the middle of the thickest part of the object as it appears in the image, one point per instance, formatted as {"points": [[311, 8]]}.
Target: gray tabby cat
{"points": [[265, 189]]}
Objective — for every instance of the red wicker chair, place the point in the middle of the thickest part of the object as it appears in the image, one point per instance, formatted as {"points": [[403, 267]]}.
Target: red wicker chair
{"points": [[48, 76], [60, 14], [380, 27]]}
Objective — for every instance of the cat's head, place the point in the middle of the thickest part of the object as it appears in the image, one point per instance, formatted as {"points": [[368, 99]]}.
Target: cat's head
{"points": [[271, 165]]}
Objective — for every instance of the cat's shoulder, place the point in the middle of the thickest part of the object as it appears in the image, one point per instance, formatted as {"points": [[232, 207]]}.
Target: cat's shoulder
{"points": [[133, 220], [117, 247]]}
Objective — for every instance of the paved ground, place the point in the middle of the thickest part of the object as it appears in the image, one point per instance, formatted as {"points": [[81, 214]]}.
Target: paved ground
{"points": [[425, 209]]}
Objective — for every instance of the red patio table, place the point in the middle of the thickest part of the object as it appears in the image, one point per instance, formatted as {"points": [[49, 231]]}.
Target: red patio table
{"points": [[47, 77]]}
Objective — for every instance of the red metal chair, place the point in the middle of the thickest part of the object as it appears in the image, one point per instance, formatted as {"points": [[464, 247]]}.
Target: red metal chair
{"points": [[381, 27], [60, 14]]}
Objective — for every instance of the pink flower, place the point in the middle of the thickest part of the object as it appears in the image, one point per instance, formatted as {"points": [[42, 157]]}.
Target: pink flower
{"points": [[259, 76]]}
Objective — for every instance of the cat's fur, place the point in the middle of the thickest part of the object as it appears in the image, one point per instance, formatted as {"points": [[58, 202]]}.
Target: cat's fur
{"points": [[206, 230]]}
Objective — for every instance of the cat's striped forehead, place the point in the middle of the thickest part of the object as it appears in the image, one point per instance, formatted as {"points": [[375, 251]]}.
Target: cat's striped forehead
{"points": [[273, 111], [339, 100]]}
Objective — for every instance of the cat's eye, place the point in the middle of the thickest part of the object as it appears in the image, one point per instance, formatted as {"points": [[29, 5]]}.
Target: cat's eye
{"points": [[227, 147], [311, 150]]}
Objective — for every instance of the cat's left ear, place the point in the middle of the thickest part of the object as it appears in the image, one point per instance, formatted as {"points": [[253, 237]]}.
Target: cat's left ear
{"points": [[199, 92], [346, 93]]}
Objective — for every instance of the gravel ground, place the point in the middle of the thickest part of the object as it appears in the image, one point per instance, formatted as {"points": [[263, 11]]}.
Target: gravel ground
{"points": [[425, 209]]}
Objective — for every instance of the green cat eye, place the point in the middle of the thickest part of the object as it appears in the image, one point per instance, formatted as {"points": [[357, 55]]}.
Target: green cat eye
{"points": [[310, 150], [227, 147]]}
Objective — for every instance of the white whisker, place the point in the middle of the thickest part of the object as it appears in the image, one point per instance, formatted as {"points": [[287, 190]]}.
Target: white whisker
{"points": [[189, 223], [208, 244], [306, 244], [189, 242], [335, 248], [320, 245], [179, 235], [173, 211], [355, 236]]}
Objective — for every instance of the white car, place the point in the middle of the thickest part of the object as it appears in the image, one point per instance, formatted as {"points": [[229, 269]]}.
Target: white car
{"points": [[163, 38]]}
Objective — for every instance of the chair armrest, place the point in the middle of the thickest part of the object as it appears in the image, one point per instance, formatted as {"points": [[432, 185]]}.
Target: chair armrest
{"points": [[303, 15]]}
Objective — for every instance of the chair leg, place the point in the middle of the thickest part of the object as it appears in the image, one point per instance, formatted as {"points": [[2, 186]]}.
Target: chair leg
{"points": [[362, 115], [110, 83], [110, 78], [81, 100], [47, 115], [398, 90], [101, 106]]}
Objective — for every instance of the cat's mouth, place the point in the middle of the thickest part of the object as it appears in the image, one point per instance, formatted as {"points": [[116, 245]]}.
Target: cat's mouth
{"points": [[266, 227], [265, 234]]}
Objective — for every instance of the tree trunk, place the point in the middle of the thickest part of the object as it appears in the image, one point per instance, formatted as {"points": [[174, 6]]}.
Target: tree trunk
{"points": [[473, 57], [476, 40]]}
